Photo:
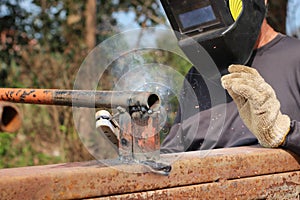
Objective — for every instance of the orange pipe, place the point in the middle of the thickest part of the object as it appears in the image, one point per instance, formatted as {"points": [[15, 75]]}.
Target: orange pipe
{"points": [[10, 117], [79, 98], [34, 96]]}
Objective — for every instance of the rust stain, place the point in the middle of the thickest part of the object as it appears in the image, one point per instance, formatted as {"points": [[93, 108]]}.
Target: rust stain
{"points": [[35, 96], [235, 173], [260, 187]]}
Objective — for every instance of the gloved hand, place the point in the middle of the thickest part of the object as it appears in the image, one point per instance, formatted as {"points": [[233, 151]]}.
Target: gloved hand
{"points": [[257, 105]]}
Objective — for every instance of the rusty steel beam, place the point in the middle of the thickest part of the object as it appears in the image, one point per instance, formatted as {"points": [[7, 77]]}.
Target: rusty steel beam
{"points": [[189, 170], [79, 98], [277, 186]]}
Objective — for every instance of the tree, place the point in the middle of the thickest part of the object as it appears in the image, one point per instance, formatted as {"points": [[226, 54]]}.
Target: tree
{"points": [[43, 48]]}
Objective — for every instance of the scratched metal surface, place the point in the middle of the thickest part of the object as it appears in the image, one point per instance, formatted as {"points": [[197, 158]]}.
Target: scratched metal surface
{"points": [[236, 171], [274, 187]]}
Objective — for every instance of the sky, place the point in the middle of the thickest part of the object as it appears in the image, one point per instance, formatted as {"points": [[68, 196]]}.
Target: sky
{"points": [[293, 18]]}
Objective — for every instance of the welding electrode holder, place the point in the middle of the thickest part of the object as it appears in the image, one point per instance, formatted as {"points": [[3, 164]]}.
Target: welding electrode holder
{"points": [[139, 138]]}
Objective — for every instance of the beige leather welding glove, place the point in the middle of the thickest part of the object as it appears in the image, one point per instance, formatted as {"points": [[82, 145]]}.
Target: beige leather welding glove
{"points": [[257, 104]]}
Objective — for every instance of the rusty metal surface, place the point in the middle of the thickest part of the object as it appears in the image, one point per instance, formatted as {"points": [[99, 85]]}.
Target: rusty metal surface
{"points": [[274, 187], [146, 139], [80, 98], [211, 168]]}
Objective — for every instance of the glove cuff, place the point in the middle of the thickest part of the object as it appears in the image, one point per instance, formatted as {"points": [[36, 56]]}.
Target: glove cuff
{"points": [[277, 133]]}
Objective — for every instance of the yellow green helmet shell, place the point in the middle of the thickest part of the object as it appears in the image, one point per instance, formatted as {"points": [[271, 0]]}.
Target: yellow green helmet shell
{"points": [[236, 7]]}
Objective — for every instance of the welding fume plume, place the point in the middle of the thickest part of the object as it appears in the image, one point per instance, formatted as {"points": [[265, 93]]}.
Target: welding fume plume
{"points": [[10, 117]]}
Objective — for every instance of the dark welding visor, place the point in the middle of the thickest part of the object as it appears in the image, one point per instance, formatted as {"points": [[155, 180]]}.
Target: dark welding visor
{"points": [[226, 29]]}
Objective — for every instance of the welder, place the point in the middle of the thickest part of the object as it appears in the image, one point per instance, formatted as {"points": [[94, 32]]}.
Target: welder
{"points": [[258, 67]]}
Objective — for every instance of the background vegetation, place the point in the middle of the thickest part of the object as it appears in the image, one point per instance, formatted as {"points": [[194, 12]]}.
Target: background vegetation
{"points": [[42, 46]]}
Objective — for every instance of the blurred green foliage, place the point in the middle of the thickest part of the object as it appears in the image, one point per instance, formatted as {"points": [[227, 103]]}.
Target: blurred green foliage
{"points": [[17, 154], [42, 46]]}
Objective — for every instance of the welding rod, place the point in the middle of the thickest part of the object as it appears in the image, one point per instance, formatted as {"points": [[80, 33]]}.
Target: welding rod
{"points": [[79, 98]]}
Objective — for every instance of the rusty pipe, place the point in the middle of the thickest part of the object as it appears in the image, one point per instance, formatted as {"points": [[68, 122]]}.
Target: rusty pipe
{"points": [[10, 117], [80, 98]]}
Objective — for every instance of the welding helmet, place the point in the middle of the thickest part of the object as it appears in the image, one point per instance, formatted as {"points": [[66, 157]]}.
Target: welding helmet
{"points": [[226, 29]]}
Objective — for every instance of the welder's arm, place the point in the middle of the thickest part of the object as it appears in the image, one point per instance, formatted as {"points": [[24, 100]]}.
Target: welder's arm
{"points": [[258, 105], [292, 141]]}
